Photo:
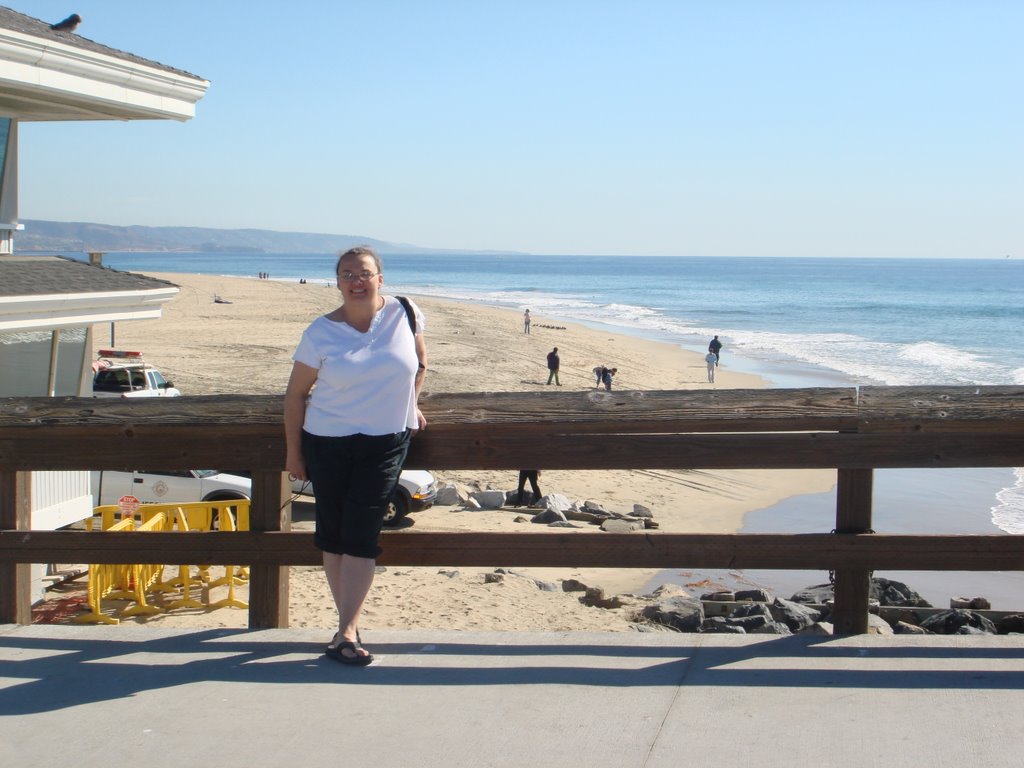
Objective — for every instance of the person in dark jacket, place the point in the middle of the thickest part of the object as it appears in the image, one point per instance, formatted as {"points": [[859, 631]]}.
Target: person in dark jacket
{"points": [[715, 347], [553, 362]]}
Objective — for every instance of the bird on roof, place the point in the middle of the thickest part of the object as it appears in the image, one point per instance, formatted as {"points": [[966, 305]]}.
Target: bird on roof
{"points": [[70, 24]]}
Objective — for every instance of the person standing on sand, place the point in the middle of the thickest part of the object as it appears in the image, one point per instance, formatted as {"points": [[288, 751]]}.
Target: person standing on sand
{"points": [[715, 348], [712, 362], [606, 377], [526, 321], [531, 475], [553, 363], [349, 412], [599, 375]]}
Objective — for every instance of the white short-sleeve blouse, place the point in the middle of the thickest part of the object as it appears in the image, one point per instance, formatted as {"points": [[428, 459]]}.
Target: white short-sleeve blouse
{"points": [[366, 381]]}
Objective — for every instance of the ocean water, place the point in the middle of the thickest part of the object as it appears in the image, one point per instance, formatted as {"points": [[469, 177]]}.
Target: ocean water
{"points": [[796, 321]]}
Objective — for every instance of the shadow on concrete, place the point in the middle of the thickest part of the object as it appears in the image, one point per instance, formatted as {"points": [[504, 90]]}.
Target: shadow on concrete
{"points": [[47, 673]]}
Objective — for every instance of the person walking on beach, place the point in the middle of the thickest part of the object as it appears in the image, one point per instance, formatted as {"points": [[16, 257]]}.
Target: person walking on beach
{"points": [[606, 377], [715, 347], [531, 475], [349, 412], [712, 362], [526, 321], [553, 362]]}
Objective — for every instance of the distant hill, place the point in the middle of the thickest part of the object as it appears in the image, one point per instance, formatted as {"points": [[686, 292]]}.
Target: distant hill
{"points": [[75, 236]]}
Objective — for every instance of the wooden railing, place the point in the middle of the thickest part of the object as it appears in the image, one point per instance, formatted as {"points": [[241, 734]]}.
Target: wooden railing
{"points": [[852, 431]]}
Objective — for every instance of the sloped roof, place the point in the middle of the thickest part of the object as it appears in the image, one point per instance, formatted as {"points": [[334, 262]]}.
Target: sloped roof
{"points": [[56, 275], [47, 75], [44, 293], [19, 22]]}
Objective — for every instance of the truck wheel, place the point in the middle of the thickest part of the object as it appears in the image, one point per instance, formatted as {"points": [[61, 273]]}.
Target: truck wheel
{"points": [[398, 507]]}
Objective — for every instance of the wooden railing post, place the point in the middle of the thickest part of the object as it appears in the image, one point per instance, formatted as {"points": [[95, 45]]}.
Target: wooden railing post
{"points": [[271, 510], [15, 578], [852, 585]]}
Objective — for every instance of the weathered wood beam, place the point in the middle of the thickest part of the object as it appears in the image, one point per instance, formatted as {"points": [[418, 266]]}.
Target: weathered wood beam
{"points": [[16, 575], [976, 409], [270, 510], [651, 549], [152, 447], [591, 411], [852, 585]]}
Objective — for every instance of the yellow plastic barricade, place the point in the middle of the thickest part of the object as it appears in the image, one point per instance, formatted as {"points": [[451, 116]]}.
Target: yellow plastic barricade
{"points": [[106, 580], [186, 515], [132, 582], [143, 576], [229, 518]]}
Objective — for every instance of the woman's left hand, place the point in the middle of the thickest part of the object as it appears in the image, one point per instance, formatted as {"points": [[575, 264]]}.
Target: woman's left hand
{"points": [[421, 420]]}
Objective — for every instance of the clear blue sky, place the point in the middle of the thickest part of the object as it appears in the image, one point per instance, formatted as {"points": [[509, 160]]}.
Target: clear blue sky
{"points": [[637, 127]]}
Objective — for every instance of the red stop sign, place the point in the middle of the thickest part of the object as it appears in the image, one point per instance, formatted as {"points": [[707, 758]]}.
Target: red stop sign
{"points": [[129, 505]]}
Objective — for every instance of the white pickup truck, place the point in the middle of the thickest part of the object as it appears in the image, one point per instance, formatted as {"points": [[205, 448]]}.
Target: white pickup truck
{"points": [[121, 373]]}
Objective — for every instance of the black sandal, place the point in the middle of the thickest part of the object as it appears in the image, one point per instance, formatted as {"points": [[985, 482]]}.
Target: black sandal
{"points": [[354, 659]]}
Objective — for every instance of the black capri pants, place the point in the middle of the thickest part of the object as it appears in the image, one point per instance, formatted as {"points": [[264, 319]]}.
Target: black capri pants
{"points": [[353, 478]]}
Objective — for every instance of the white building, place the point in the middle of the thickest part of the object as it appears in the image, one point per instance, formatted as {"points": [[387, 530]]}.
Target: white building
{"points": [[49, 304]]}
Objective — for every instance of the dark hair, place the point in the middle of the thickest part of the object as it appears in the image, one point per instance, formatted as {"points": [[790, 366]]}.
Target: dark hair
{"points": [[360, 250]]}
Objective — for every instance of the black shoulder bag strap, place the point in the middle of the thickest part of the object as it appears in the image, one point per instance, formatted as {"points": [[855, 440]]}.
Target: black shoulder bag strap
{"points": [[412, 320], [408, 313]]}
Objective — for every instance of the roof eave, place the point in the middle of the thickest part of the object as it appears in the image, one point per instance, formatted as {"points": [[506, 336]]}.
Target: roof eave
{"points": [[49, 80], [72, 310]]}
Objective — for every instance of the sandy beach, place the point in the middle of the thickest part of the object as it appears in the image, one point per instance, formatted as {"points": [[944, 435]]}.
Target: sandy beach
{"points": [[245, 347]]}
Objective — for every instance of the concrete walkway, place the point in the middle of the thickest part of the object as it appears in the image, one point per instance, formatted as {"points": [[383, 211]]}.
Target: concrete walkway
{"points": [[95, 696]]}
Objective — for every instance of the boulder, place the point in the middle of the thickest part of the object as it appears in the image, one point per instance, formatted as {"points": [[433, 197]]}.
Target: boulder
{"points": [[668, 590], [719, 597], [974, 603], [878, 626], [594, 508], [564, 524], [573, 585], [555, 501], [1012, 624], [683, 614], [751, 609], [512, 498], [719, 624], [888, 592], [584, 515], [448, 495], [817, 595], [548, 516], [639, 510], [757, 595], [794, 615], [622, 526], [958, 622], [758, 624], [906, 628], [596, 597], [489, 499]]}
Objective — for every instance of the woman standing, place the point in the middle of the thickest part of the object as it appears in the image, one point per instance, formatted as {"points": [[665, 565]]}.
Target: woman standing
{"points": [[349, 433]]}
